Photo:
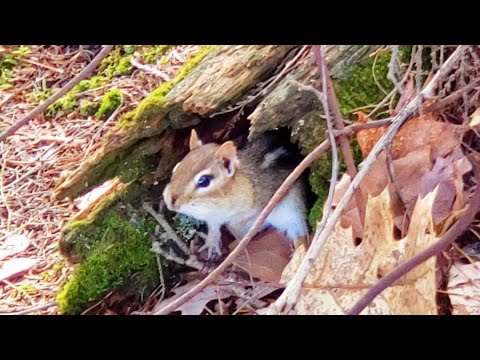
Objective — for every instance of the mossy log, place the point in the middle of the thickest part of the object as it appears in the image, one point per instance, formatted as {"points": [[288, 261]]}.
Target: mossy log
{"points": [[154, 135]]}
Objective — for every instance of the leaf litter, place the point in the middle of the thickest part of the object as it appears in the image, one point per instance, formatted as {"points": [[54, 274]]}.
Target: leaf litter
{"points": [[34, 158]]}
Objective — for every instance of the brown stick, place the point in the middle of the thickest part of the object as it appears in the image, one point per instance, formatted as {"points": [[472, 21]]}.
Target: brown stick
{"points": [[294, 287], [447, 239], [335, 109], [68, 86], [452, 97], [338, 120]]}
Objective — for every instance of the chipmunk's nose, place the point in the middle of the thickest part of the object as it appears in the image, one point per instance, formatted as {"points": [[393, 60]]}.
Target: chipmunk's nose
{"points": [[169, 198]]}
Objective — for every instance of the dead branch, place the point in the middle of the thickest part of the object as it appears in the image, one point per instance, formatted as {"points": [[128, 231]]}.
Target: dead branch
{"points": [[170, 256], [452, 97], [166, 226], [338, 119], [447, 239], [296, 287], [398, 121], [65, 89]]}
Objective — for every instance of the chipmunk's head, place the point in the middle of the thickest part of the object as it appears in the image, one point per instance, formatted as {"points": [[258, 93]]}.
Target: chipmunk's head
{"points": [[200, 182]]}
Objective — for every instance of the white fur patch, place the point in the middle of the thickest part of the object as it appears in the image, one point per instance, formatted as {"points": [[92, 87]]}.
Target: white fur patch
{"points": [[289, 216], [270, 158]]}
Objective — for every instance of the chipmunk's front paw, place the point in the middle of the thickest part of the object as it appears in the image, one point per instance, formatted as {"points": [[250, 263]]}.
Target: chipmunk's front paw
{"points": [[211, 244]]}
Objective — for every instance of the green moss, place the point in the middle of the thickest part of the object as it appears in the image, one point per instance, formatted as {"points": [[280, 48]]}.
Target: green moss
{"points": [[93, 83], [124, 66], [65, 103], [150, 54], [88, 108], [359, 89], [40, 95], [154, 105], [117, 63], [122, 248], [129, 49], [7, 63], [110, 101]]}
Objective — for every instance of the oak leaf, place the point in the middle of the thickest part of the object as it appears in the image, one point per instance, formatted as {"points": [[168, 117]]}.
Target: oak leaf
{"points": [[415, 133], [265, 256], [345, 269]]}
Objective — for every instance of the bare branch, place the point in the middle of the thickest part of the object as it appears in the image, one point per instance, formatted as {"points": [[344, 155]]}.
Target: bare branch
{"points": [[296, 287], [166, 226]]}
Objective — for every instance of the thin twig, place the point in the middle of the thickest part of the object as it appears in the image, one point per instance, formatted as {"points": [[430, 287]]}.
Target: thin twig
{"points": [[437, 105], [170, 256], [161, 277], [334, 107], [447, 239], [319, 238], [31, 309], [393, 67], [65, 89], [166, 226], [294, 287]]}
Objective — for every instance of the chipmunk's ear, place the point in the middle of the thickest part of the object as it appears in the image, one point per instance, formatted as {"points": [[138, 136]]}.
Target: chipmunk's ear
{"points": [[195, 142], [227, 156]]}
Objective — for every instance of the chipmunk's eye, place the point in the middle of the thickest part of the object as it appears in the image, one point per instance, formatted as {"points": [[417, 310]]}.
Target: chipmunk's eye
{"points": [[204, 181]]}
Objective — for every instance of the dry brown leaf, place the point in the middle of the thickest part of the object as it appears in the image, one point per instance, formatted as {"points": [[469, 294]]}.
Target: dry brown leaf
{"points": [[423, 130], [464, 288], [16, 266], [415, 175], [343, 272], [13, 245], [265, 257], [196, 305]]}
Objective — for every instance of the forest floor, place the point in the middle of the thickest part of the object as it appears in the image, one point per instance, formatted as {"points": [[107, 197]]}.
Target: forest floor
{"points": [[31, 268]]}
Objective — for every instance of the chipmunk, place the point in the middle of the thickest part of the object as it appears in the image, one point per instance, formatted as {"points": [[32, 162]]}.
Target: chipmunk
{"points": [[221, 185]]}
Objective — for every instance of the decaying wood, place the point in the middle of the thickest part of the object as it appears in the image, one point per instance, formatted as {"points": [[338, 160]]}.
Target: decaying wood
{"points": [[225, 77], [286, 104], [214, 83]]}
